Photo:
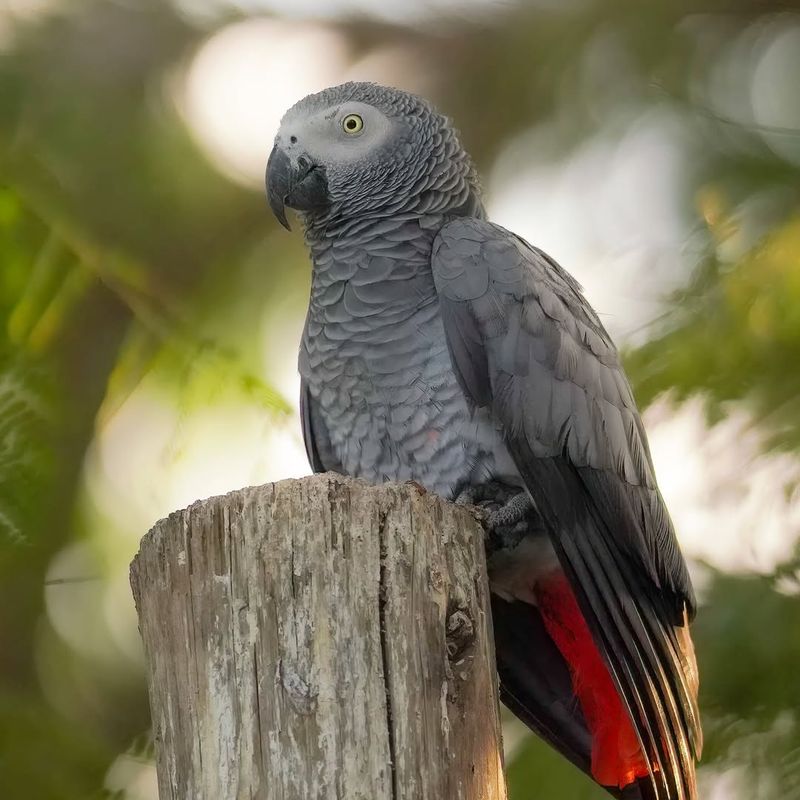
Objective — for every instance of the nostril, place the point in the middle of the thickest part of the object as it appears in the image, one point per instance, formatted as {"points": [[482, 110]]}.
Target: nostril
{"points": [[293, 139]]}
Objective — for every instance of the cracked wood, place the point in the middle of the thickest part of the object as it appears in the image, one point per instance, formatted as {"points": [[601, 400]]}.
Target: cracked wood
{"points": [[320, 639]]}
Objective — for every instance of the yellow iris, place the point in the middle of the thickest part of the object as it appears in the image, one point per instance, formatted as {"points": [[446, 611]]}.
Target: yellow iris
{"points": [[352, 123]]}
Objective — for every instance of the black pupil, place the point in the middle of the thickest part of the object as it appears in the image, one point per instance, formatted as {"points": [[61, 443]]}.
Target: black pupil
{"points": [[351, 124]]}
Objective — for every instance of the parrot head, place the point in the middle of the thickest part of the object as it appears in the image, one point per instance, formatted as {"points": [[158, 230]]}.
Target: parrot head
{"points": [[357, 147]]}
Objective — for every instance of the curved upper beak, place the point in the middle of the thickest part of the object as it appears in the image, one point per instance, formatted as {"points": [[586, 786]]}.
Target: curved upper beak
{"points": [[294, 182]]}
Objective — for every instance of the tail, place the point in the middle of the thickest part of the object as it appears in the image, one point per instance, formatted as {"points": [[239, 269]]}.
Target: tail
{"points": [[616, 758], [555, 679], [535, 682]]}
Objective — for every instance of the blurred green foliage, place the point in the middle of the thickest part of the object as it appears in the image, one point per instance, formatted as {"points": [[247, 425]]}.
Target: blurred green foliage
{"points": [[125, 256], [732, 332]]}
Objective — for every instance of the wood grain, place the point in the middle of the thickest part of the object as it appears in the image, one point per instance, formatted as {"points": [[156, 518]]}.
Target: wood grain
{"points": [[320, 638]]}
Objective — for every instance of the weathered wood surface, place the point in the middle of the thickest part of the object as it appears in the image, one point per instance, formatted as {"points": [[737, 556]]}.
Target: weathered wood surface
{"points": [[320, 638]]}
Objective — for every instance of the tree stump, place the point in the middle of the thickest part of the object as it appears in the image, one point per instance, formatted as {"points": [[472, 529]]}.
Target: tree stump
{"points": [[320, 639]]}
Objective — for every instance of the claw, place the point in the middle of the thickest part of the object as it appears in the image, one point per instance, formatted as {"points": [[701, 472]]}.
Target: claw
{"points": [[504, 511], [512, 512]]}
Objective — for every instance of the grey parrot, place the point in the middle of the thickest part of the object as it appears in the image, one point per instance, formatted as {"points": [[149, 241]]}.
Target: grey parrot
{"points": [[444, 349]]}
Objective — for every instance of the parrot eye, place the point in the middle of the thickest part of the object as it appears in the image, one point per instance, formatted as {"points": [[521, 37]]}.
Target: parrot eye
{"points": [[352, 123]]}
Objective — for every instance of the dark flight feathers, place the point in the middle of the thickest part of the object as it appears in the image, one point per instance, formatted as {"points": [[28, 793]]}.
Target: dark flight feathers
{"points": [[525, 343]]}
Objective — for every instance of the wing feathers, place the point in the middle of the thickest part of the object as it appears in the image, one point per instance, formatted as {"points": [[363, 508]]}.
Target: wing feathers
{"points": [[531, 348], [599, 587]]}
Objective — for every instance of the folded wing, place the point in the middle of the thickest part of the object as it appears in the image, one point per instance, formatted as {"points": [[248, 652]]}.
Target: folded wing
{"points": [[525, 343]]}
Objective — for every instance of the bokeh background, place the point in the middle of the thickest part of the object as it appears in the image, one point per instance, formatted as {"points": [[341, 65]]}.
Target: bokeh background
{"points": [[150, 310]]}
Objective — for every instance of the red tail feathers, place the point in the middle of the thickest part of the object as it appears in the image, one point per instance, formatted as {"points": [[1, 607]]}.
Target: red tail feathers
{"points": [[617, 758]]}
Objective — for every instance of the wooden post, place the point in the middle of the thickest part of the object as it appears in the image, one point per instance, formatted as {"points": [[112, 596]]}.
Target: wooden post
{"points": [[320, 639]]}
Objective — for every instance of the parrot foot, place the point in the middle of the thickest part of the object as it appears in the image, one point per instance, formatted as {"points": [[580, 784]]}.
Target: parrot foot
{"points": [[508, 513], [511, 512]]}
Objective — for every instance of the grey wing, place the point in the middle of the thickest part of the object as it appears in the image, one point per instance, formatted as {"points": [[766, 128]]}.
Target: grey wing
{"points": [[315, 435], [525, 343]]}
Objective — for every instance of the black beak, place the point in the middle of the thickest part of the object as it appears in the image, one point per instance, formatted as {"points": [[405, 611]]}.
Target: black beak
{"points": [[299, 184]]}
